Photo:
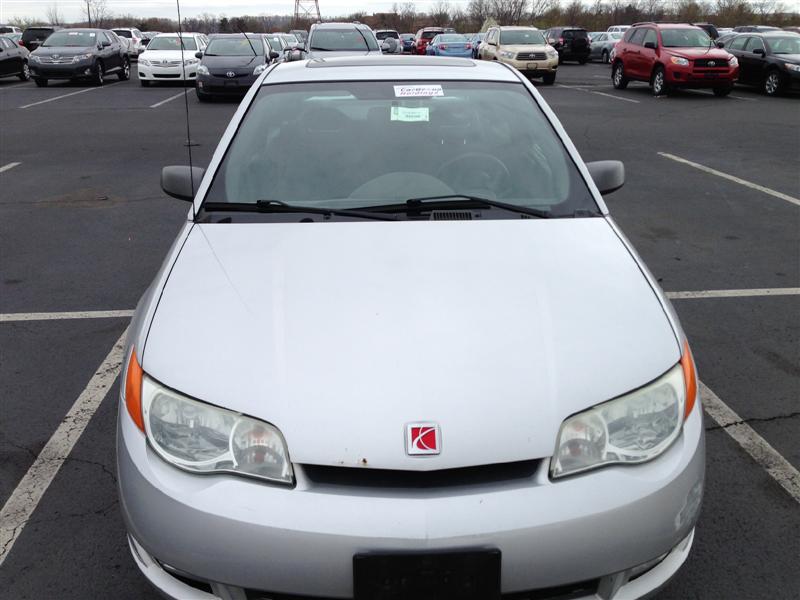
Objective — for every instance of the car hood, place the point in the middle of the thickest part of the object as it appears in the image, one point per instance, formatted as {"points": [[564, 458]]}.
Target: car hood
{"points": [[790, 58], [342, 333], [233, 62], [710, 53], [63, 50], [156, 55]]}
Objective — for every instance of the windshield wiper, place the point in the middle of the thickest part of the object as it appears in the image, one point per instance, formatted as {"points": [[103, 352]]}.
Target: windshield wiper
{"points": [[457, 201], [276, 206]]}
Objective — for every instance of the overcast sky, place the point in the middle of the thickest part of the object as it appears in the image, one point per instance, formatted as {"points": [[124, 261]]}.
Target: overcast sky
{"points": [[72, 9]]}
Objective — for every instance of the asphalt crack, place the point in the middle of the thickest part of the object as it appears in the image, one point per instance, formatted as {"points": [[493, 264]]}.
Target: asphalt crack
{"points": [[755, 420]]}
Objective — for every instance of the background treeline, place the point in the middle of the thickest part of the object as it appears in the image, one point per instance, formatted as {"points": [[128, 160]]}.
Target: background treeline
{"points": [[595, 16]]}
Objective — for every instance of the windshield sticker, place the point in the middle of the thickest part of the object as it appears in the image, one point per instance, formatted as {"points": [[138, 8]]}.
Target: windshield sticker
{"points": [[418, 91], [410, 115]]}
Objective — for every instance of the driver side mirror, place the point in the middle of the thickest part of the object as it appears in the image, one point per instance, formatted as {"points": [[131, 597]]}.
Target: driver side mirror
{"points": [[273, 55], [181, 182], [198, 55], [720, 44], [759, 51], [608, 175], [105, 44]]}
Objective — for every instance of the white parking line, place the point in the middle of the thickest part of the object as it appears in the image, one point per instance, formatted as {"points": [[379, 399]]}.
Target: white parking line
{"points": [[53, 99], [738, 180], [9, 166], [780, 469], [25, 498], [54, 316], [170, 99], [583, 89], [734, 293]]}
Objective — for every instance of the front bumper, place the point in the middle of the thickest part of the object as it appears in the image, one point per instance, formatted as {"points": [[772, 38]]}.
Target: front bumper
{"points": [[80, 70], [698, 77], [167, 73], [225, 86], [533, 68], [596, 525]]}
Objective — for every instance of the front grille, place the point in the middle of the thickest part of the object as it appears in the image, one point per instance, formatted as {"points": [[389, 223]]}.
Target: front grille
{"points": [[49, 60], [561, 592], [224, 75], [451, 215], [531, 56], [443, 478], [166, 76], [706, 62], [166, 63]]}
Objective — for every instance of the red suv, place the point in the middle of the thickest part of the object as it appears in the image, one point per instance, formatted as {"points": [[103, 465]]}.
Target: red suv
{"points": [[669, 56], [424, 37]]}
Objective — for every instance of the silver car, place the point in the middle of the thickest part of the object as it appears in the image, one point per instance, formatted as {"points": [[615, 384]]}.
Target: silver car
{"points": [[372, 367], [602, 44]]}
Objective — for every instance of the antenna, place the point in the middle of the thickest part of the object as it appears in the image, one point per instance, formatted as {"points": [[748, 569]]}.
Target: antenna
{"points": [[186, 104], [307, 10]]}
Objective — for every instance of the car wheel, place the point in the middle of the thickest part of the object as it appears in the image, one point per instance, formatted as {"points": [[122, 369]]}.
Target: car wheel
{"points": [[125, 74], [772, 83], [618, 76], [659, 82], [549, 79], [201, 96], [99, 74], [582, 61], [40, 82], [144, 83], [605, 57], [723, 91], [25, 75]]}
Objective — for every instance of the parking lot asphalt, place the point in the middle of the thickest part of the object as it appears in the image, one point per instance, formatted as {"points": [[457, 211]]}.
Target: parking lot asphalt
{"points": [[84, 226]]}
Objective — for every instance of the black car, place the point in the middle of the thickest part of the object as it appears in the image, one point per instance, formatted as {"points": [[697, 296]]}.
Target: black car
{"points": [[13, 60], [754, 28], [79, 54], [769, 60], [231, 63], [572, 43], [33, 37]]}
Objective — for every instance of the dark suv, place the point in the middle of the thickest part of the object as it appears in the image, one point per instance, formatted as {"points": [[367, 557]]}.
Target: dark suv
{"points": [[33, 37], [571, 43], [671, 56], [79, 54]]}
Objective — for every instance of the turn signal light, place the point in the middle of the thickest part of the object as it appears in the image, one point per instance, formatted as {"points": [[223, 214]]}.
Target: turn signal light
{"points": [[133, 390], [689, 378]]}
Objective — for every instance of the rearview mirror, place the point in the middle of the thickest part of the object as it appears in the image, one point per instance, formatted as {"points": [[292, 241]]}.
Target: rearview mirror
{"points": [[181, 182], [198, 55], [608, 175]]}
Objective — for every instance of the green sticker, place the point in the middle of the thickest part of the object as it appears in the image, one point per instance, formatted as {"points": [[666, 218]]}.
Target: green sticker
{"points": [[410, 115]]}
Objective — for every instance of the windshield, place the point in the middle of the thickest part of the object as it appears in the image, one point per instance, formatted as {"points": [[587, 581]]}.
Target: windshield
{"points": [[685, 38], [290, 38], [234, 47], [338, 40], [171, 43], [77, 39], [360, 144], [787, 45], [522, 37]]}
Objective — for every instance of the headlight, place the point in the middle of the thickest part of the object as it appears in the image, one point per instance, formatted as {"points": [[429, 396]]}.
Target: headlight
{"points": [[677, 60], [259, 69], [33, 58], [81, 57], [552, 52], [634, 428], [190, 61], [733, 61], [202, 70], [790, 67], [202, 438], [506, 54], [144, 61]]}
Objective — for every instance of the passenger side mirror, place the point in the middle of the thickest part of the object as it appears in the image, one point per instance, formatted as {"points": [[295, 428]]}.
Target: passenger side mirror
{"points": [[759, 51], [651, 45], [608, 175], [273, 55], [105, 44], [181, 182], [198, 55], [720, 44]]}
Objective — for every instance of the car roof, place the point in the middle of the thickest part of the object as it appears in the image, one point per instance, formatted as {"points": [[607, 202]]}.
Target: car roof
{"points": [[513, 27], [339, 25]]}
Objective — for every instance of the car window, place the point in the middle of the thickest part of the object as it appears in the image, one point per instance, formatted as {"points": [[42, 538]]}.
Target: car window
{"points": [[124, 33], [754, 43], [685, 38], [429, 35], [356, 144], [35, 34], [600, 38], [382, 35], [137, 33], [171, 43], [76, 39], [650, 36], [786, 45], [274, 43], [6, 43], [111, 38], [522, 37], [238, 46], [350, 39], [637, 37], [738, 42], [452, 38]]}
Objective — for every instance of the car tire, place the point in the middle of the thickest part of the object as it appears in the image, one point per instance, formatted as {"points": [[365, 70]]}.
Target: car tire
{"points": [[582, 61], [618, 79], [772, 83], [658, 82], [549, 79], [40, 82], [144, 83], [723, 91], [201, 96], [25, 75], [125, 73], [605, 57], [98, 77]]}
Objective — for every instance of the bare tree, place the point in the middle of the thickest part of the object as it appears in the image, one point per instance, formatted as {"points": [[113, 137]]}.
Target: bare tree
{"points": [[440, 13], [538, 8], [508, 12], [53, 14], [97, 12]]}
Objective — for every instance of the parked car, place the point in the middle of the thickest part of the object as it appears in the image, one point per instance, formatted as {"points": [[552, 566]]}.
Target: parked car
{"points": [[33, 37], [79, 54], [571, 43], [384, 34], [300, 34], [327, 40], [565, 451], [135, 40], [477, 40], [769, 60], [278, 44], [170, 57], [149, 35], [15, 37], [618, 29], [408, 42], [6, 29], [671, 56], [423, 38], [450, 44], [725, 38], [602, 45], [754, 28], [231, 63], [292, 40], [13, 59], [524, 48]]}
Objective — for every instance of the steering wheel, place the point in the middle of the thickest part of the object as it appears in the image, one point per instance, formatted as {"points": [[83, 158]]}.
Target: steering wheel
{"points": [[476, 170]]}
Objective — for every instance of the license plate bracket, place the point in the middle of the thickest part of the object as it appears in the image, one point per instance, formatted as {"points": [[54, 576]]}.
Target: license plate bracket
{"points": [[463, 575]]}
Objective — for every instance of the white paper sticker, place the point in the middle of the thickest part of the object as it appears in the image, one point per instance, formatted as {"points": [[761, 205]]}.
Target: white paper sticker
{"points": [[410, 115], [418, 91]]}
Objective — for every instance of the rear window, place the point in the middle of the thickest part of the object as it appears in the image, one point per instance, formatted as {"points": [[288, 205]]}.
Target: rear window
{"points": [[357, 144], [429, 35], [575, 34], [38, 34], [342, 40], [6, 30], [382, 35], [123, 33]]}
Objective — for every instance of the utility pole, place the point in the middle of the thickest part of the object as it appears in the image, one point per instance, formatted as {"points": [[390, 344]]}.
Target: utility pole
{"points": [[306, 10], [89, 12]]}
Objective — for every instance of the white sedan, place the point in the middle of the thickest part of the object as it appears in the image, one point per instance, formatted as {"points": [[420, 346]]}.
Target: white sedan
{"points": [[167, 59]]}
